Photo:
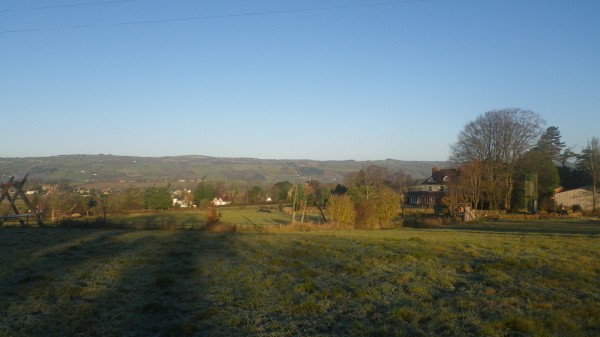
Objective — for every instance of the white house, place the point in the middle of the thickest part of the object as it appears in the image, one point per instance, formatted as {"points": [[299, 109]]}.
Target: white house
{"points": [[183, 203], [220, 202]]}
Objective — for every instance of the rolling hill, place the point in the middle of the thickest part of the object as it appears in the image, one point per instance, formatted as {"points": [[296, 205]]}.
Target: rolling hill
{"points": [[109, 168]]}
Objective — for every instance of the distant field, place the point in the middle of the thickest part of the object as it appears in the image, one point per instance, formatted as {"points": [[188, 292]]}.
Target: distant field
{"points": [[481, 281], [249, 218]]}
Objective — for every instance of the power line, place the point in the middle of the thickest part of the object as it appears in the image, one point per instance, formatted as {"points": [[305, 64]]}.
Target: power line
{"points": [[209, 17], [65, 6]]}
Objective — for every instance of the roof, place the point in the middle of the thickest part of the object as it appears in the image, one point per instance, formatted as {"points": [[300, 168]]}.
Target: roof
{"points": [[440, 176], [584, 188]]}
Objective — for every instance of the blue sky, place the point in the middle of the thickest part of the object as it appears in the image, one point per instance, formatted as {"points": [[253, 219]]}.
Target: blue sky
{"points": [[392, 80]]}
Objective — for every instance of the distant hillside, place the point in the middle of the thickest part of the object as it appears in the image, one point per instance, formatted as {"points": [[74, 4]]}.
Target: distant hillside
{"points": [[109, 168]]}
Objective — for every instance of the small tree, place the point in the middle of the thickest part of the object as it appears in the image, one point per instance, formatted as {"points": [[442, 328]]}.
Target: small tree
{"points": [[104, 204], [212, 216], [91, 203]]}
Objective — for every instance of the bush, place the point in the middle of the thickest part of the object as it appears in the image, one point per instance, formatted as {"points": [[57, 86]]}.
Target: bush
{"points": [[221, 228], [576, 208], [212, 217], [341, 209], [379, 211], [430, 221]]}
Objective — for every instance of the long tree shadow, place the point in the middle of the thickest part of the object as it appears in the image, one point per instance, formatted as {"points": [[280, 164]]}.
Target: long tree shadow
{"points": [[107, 283], [47, 273], [166, 296]]}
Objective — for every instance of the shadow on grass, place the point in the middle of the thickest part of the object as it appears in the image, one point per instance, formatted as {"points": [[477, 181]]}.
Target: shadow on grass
{"points": [[250, 222], [564, 227], [74, 282]]}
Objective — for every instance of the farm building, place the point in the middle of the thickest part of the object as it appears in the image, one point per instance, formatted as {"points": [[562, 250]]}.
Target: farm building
{"points": [[580, 196]]}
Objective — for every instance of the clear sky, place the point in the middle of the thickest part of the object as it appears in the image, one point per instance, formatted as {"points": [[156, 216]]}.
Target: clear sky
{"points": [[303, 79]]}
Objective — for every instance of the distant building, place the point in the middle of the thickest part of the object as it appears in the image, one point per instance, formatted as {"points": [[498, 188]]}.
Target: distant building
{"points": [[580, 196], [431, 191], [220, 202]]}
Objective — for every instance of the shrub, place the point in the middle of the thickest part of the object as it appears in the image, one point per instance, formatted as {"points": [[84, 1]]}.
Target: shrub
{"points": [[212, 217], [387, 208], [221, 228], [341, 209], [378, 211], [430, 221]]}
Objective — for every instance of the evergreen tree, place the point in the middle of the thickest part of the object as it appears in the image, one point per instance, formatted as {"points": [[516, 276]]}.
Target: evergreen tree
{"points": [[204, 191], [550, 144]]}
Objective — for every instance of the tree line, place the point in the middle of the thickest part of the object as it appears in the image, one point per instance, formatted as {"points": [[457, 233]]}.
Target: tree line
{"points": [[503, 154], [501, 158]]}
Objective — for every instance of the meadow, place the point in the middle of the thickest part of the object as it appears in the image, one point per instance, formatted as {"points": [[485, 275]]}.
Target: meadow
{"points": [[539, 279]]}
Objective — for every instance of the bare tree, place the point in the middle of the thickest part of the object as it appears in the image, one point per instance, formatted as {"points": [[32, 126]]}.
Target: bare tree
{"points": [[366, 182], [589, 162], [497, 139], [465, 186]]}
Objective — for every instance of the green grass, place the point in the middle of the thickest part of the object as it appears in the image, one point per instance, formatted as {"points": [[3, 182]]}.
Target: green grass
{"points": [[245, 219], [405, 282]]}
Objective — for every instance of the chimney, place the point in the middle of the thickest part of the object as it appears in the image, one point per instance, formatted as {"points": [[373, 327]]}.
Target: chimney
{"points": [[434, 170]]}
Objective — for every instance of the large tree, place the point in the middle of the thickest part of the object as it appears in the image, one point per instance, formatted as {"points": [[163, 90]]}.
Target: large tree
{"points": [[281, 190], [498, 139], [157, 197], [204, 192], [589, 162], [539, 164]]}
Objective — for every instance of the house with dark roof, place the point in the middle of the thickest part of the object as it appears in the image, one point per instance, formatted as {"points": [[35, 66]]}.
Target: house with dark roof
{"points": [[431, 191]]}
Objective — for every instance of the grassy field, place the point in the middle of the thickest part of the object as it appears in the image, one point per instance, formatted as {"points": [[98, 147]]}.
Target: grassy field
{"points": [[248, 219], [484, 280]]}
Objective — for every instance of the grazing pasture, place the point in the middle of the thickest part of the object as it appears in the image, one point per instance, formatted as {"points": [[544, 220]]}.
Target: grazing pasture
{"points": [[486, 280]]}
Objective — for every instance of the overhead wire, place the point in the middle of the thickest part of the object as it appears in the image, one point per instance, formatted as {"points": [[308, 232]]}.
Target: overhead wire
{"points": [[65, 6], [210, 17]]}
